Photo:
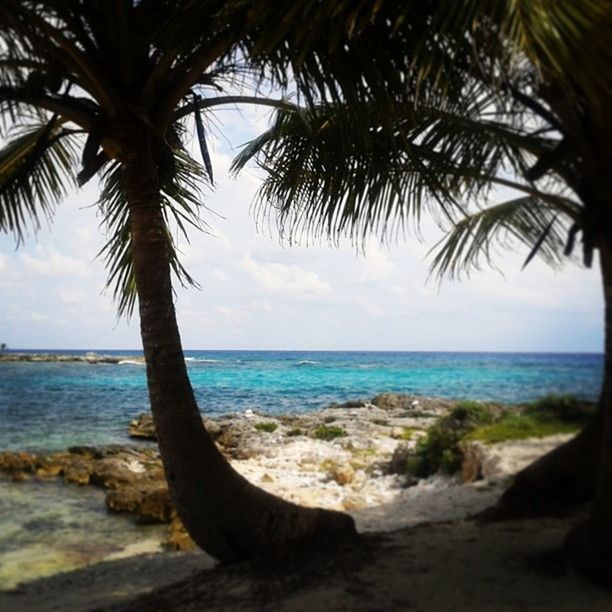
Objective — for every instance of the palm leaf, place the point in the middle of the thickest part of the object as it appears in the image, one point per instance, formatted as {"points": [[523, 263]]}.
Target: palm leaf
{"points": [[36, 172], [324, 177], [473, 240], [181, 200]]}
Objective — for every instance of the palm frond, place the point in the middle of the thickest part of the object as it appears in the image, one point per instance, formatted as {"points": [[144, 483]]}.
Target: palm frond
{"points": [[181, 200], [473, 241], [36, 172], [324, 177]]}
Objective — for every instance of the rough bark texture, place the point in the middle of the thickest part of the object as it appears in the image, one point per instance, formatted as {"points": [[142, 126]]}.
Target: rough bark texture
{"points": [[557, 482], [226, 515]]}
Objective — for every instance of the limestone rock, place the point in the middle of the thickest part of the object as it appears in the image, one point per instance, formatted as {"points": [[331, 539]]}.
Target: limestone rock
{"points": [[498, 463], [17, 461], [471, 467], [353, 502], [392, 401], [359, 403], [178, 538], [49, 472], [113, 474], [142, 427], [149, 503], [78, 472], [342, 474], [155, 507]]}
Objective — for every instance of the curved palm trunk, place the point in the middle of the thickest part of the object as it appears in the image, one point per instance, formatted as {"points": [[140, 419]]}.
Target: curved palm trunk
{"points": [[557, 482], [572, 473], [226, 515], [590, 543]]}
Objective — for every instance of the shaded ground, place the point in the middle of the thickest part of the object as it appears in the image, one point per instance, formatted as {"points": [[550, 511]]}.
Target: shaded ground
{"points": [[435, 567]]}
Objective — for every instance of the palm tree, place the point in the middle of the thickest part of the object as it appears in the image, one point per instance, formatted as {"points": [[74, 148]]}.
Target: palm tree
{"points": [[117, 82], [534, 117]]}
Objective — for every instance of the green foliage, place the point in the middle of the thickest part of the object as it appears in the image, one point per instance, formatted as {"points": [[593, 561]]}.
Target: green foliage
{"points": [[380, 422], [438, 451], [329, 432], [467, 413], [565, 408], [36, 172], [518, 426], [268, 427], [407, 433], [292, 433], [545, 417]]}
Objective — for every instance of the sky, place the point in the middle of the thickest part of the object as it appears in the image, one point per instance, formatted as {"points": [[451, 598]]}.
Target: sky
{"points": [[260, 294]]}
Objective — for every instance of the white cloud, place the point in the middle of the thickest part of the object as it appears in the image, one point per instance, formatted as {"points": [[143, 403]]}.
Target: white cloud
{"points": [[72, 295], [259, 295], [48, 262], [229, 313], [38, 317], [220, 275], [376, 265], [286, 279]]}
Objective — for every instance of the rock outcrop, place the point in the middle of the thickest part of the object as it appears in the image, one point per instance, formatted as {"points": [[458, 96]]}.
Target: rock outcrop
{"points": [[344, 457], [498, 463]]}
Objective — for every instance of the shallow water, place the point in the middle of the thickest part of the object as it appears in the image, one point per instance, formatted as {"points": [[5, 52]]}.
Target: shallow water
{"points": [[49, 527]]}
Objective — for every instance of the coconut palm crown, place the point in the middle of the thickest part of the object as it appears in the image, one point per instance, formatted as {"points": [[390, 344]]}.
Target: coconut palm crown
{"points": [[108, 90], [533, 116]]}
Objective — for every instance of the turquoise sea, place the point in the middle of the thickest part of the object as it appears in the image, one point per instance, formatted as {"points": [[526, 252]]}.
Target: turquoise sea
{"points": [[49, 527], [54, 405]]}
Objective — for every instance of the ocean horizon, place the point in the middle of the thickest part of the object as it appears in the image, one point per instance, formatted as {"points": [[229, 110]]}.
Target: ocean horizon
{"points": [[49, 405], [133, 351]]}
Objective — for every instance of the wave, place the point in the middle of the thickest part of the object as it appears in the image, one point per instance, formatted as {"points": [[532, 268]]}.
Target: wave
{"points": [[307, 362], [201, 360], [131, 362]]}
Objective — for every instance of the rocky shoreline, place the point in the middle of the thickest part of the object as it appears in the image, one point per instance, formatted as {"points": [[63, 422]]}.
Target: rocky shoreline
{"points": [[92, 358], [348, 457]]}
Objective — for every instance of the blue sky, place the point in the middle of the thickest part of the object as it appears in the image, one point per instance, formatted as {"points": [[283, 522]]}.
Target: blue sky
{"points": [[257, 294]]}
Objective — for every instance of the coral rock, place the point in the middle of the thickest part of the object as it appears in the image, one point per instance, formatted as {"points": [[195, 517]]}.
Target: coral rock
{"points": [[178, 538]]}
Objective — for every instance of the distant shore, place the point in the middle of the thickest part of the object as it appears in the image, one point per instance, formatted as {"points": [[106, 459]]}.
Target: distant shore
{"points": [[90, 357]]}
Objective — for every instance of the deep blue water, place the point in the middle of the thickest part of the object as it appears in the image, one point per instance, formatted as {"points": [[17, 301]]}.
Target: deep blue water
{"points": [[53, 405]]}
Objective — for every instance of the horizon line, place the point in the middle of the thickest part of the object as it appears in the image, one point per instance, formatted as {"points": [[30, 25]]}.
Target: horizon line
{"points": [[299, 350]]}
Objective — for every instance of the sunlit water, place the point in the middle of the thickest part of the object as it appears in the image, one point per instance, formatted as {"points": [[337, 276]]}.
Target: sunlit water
{"points": [[49, 527], [50, 406]]}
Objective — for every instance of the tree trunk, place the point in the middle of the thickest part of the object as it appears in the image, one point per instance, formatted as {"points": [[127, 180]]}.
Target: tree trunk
{"points": [[557, 482], [226, 515], [589, 544]]}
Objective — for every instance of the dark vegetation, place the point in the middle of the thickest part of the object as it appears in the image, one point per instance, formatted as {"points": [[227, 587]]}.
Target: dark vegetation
{"points": [[329, 432], [267, 427], [440, 450]]}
